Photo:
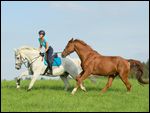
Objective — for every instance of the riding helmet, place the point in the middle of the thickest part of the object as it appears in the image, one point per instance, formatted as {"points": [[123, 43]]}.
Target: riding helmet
{"points": [[41, 32]]}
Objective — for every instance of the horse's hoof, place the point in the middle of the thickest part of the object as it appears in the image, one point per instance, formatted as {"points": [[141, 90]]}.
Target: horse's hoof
{"points": [[66, 89], [84, 90], [18, 87], [72, 93], [28, 90], [128, 92], [101, 93]]}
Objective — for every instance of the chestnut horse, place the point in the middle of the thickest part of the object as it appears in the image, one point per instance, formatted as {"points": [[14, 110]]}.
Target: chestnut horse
{"points": [[94, 63]]}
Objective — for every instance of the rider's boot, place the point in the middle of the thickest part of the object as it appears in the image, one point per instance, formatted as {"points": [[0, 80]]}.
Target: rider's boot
{"points": [[50, 68]]}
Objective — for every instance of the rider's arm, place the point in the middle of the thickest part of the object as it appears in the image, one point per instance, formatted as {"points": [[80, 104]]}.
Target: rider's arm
{"points": [[40, 48], [46, 47]]}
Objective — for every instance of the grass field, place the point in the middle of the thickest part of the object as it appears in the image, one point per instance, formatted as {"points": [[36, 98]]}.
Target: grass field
{"points": [[48, 95]]}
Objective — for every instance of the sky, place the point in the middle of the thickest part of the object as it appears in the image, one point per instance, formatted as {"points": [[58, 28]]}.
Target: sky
{"points": [[111, 28]]}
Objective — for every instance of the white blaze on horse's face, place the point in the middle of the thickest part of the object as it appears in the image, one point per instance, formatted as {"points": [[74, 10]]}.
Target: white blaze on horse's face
{"points": [[18, 61]]}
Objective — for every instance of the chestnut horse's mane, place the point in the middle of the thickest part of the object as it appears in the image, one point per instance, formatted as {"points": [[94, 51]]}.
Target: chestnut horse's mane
{"points": [[83, 43]]}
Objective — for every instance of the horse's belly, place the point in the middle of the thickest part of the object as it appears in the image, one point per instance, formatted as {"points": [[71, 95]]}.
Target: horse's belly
{"points": [[58, 70], [104, 73], [105, 70]]}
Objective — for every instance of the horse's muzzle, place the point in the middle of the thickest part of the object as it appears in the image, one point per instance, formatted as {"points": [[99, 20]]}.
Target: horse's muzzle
{"points": [[17, 67], [62, 55]]}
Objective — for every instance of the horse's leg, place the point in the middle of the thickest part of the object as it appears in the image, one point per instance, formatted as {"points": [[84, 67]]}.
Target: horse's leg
{"points": [[65, 80], [77, 85], [34, 78], [92, 79], [25, 73], [124, 78], [80, 81], [109, 83], [81, 84]]}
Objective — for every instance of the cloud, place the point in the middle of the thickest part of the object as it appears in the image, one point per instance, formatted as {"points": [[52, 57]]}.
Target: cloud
{"points": [[75, 6]]}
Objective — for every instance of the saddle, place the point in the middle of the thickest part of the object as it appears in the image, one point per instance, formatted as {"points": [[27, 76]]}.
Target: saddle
{"points": [[55, 59]]}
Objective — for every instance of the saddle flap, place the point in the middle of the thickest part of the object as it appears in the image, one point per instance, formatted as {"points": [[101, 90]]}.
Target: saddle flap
{"points": [[56, 61]]}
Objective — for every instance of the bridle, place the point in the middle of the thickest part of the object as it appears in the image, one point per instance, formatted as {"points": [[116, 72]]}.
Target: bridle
{"points": [[33, 60], [25, 61], [67, 52]]}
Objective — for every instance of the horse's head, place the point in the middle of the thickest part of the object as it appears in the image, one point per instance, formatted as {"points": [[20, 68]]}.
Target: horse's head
{"points": [[68, 49], [18, 59]]}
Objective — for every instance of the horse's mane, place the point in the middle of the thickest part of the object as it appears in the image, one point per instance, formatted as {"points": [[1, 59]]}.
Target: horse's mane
{"points": [[28, 48], [83, 43]]}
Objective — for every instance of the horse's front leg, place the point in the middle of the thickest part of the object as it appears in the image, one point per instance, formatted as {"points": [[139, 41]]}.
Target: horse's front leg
{"points": [[77, 84], [25, 73], [80, 79], [34, 78]]}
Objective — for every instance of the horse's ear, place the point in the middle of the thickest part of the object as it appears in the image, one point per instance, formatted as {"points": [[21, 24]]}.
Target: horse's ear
{"points": [[71, 40], [15, 50]]}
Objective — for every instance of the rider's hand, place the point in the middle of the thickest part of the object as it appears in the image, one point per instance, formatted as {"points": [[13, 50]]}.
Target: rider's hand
{"points": [[55, 55], [42, 54]]}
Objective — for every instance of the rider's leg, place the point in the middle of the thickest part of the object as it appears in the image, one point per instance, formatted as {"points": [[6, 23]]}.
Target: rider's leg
{"points": [[49, 58]]}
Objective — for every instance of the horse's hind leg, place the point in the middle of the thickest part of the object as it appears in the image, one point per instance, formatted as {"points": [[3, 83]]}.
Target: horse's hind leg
{"points": [[124, 78], [109, 83], [65, 80]]}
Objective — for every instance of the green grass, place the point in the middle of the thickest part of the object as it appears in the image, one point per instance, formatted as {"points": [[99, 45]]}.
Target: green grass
{"points": [[48, 95]]}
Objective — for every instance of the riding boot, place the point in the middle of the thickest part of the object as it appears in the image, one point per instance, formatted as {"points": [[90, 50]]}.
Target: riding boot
{"points": [[50, 67], [45, 70], [51, 71]]}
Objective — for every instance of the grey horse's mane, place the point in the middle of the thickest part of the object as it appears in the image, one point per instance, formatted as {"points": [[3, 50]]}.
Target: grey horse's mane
{"points": [[28, 48]]}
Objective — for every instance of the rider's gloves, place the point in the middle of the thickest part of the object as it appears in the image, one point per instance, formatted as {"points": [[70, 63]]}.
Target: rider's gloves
{"points": [[55, 55], [42, 54]]}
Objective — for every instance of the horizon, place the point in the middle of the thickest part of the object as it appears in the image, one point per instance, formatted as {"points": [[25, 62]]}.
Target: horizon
{"points": [[111, 28]]}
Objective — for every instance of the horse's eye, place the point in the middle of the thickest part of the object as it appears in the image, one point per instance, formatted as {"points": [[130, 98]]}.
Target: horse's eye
{"points": [[18, 58]]}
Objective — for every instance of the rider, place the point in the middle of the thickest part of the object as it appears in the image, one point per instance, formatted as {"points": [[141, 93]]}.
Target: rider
{"points": [[48, 50]]}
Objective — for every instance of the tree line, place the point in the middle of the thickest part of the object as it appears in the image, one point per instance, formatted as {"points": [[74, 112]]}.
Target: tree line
{"points": [[146, 70], [132, 73]]}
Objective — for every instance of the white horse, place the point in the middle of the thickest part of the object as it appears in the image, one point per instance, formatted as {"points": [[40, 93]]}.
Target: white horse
{"points": [[30, 57]]}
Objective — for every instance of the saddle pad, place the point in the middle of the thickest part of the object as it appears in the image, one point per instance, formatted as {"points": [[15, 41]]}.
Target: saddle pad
{"points": [[56, 62]]}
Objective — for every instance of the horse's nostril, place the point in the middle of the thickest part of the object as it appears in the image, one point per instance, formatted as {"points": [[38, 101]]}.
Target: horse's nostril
{"points": [[62, 56]]}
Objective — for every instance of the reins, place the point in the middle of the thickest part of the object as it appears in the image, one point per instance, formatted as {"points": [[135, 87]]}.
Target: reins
{"points": [[34, 59]]}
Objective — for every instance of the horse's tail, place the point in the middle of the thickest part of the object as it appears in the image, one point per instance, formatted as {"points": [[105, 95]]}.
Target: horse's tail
{"points": [[138, 67]]}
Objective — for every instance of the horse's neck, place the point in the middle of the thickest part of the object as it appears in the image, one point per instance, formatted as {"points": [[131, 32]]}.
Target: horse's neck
{"points": [[82, 51], [30, 54]]}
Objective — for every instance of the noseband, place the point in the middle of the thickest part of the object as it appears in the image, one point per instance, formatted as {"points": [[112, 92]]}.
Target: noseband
{"points": [[25, 61]]}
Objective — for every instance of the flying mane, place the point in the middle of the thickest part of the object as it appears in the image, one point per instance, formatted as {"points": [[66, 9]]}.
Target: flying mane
{"points": [[27, 48], [83, 43]]}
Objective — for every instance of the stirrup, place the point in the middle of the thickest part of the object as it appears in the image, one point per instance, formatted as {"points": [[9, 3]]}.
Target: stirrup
{"points": [[45, 71]]}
